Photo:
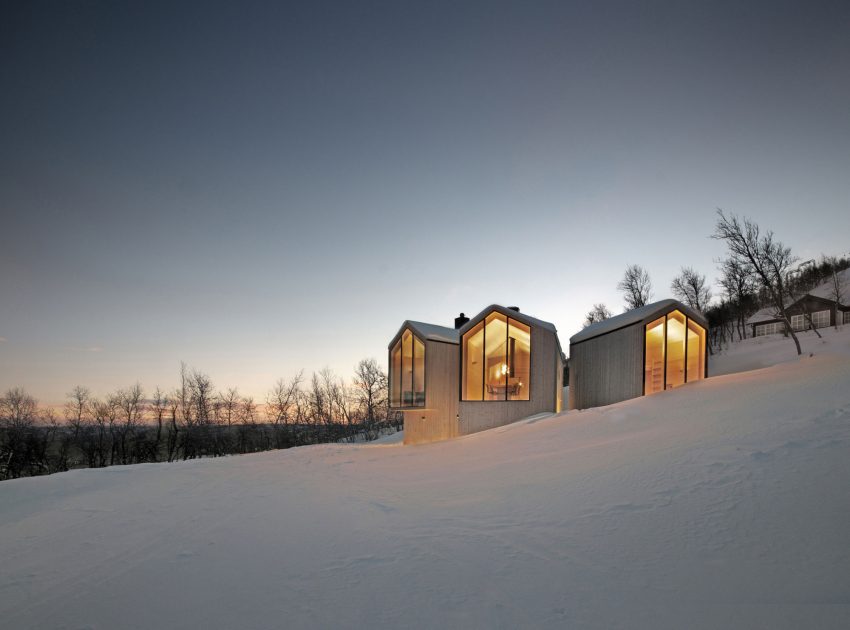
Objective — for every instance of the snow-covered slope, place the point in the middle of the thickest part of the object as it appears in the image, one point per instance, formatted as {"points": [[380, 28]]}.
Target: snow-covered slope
{"points": [[722, 504], [759, 352]]}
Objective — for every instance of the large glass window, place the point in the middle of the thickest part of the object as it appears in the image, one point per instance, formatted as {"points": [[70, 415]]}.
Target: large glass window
{"points": [[519, 360], [674, 352], [654, 368], [418, 373], [407, 371], [675, 349], [395, 375], [496, 360], [472, 381], [696, 351], [495, 356], [846, 317]]}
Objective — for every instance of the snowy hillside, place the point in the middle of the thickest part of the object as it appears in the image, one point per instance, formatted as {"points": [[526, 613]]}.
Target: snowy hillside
{"points": [[723, 504]]}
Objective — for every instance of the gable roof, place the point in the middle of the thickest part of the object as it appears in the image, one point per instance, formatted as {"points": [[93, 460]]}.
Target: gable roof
{"points": [[826, 289], [766, 314], [507, 312], [528, 320], [637, 316], [428, 332]]}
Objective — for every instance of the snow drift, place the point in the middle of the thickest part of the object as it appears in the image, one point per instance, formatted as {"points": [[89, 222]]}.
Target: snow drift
{"points": [[725, 503]]}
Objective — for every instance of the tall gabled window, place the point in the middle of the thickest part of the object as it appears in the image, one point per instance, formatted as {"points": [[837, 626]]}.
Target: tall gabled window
{"points": [[496, 360], [674, 352], [407, 371]]}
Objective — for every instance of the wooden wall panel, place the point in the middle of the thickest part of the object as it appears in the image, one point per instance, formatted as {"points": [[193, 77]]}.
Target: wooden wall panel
{"points": [[438, 419], [546, 374], [607, 369]]}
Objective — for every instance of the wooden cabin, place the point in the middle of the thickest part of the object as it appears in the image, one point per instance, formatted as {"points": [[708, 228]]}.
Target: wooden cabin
{"points": [[498, 367], [816, 309], [644, 351], [511, 367], [423, 380]]}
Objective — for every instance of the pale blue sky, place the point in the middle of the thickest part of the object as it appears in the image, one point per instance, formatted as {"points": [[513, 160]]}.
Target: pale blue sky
{"points": [[256, 188]]}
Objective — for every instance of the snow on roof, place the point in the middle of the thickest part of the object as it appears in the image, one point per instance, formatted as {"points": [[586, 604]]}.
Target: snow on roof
{"points": [[767, 314], [428, 332], [826, 289], [434, 332], [635, 316], [517, 315]]}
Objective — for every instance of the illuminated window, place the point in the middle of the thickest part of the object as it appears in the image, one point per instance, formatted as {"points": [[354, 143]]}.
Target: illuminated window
{"points": [[519, 360], [495, 356], [496, 360], [696, 352], [395, 375], [654, 367], [407, 371], [674, 352], [472, 382]]}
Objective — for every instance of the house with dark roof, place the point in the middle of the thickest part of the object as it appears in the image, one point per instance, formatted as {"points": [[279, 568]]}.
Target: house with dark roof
{"points": [[818, 305], [647, 350], [495, 368]]}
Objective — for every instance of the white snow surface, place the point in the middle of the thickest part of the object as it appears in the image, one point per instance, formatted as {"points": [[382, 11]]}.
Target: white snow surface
{"points": [[721, 504]]}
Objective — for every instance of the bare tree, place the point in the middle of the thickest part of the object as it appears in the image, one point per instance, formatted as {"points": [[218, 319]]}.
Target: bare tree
{"points": [[371, 394], [636, 287], [765, 257], [17, 420], [598, 313], [691, 288], [281, 404], [129, 405], [740, 287], [228, 406], [800, 282]]}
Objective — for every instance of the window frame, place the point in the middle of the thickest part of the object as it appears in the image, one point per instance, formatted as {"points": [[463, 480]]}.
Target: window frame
{"points": [[391, 383], [769, 328], [643, 341], [462, 353]]}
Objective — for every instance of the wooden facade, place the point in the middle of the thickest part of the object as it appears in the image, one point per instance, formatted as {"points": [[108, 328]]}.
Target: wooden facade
{"points": [[546, 382], [444, 414], [799, 314], [608, 360], [607, 369], [438, 419]]}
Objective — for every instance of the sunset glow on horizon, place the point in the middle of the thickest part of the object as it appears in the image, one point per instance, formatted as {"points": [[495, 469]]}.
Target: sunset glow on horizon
{"points": [[263, 189]]}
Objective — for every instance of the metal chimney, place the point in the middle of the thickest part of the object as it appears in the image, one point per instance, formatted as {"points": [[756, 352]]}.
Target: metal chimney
{"points": [[460, 321]]}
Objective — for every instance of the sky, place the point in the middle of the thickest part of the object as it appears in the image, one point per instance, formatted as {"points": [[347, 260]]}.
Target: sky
{"points": [[257, 188]]}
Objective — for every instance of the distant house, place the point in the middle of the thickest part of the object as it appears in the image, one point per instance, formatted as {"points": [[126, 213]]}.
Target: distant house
{"points": [[647, 350], [819, 304], [496, 368]]}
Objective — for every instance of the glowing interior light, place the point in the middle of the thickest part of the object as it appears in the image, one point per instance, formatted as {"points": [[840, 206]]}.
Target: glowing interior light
{"points": [[504, 368]]}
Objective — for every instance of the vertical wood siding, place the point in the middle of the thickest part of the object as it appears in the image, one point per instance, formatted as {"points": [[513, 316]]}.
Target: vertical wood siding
{"points": [[607, 369], [438, 419], [546, 371]]}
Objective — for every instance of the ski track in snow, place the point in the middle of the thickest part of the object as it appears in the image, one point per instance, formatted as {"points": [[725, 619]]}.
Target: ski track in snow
{"points": [[724, 503]]}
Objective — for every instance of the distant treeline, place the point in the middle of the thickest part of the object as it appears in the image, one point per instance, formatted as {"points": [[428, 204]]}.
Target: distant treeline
{"points": [[193, 420]]}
